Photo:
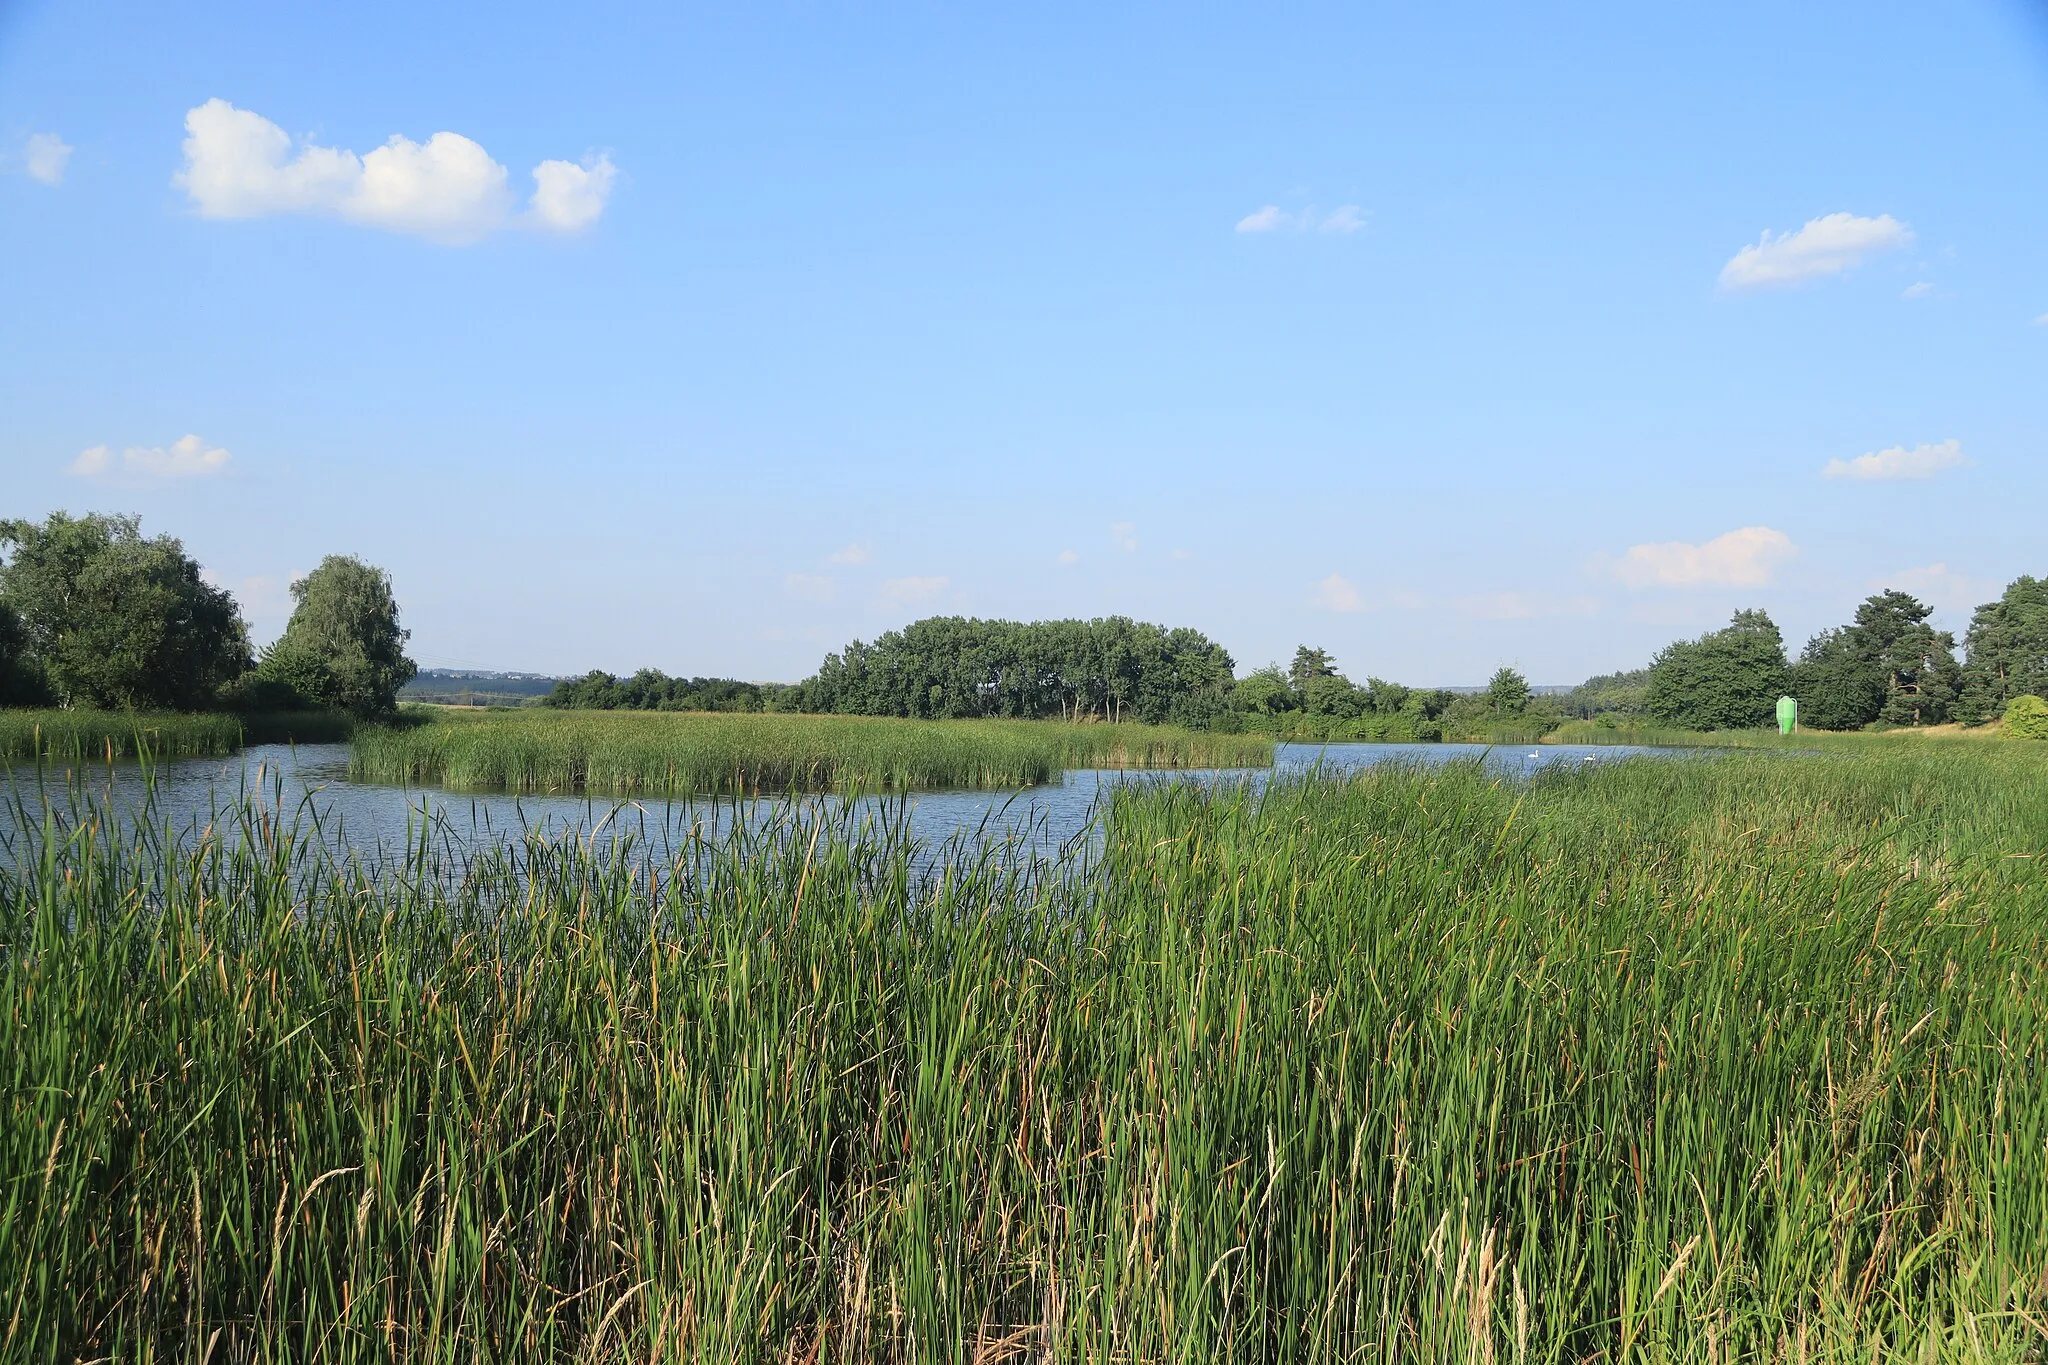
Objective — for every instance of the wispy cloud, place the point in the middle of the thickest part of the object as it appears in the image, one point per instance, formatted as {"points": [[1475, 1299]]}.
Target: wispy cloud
{"points": [[1940, 585], [1825, 246], [44, 157], [1919, 289], [1343, 220], [1068, 557], [1897, 462], [187, 458], [914, 589], [1521, 606], [809, 587], [1338, 593], [1742, 558], [1125, 535], [239, 164], [852, 554]]}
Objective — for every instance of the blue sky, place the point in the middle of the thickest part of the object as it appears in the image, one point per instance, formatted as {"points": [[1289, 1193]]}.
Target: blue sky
{"points": [[1438, 336]]}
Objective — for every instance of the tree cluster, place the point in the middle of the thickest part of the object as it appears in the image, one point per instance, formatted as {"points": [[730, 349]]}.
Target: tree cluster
{"points": [[653, 690], [1311, 698], [94, 614], [1109, 669], [1888, 666]]}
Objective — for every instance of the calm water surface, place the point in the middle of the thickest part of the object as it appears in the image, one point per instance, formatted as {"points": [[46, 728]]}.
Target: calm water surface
{"points": [[312, 782]]}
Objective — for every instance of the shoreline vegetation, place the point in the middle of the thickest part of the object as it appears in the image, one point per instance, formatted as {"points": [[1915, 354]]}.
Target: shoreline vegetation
{"points": [[1715, 1059], [87, 735], [642, 753]]}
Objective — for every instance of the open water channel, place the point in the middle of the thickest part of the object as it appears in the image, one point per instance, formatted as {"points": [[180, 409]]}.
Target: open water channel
{"points": [[311, 784]]}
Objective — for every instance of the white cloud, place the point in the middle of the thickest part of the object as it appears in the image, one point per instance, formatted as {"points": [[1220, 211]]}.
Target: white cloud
{"points": [[810, 587], [1338, 593], [1181, 556], [2041, 321], [239, 164], [1345, 218], [44, 156], [1825, 246], [1069, 557], [568, 197], [188, 457], [1897, 462], [1745, 558], [1125, 534], [914, 589], [1919, 289], [1521, 606], [851, 554]]}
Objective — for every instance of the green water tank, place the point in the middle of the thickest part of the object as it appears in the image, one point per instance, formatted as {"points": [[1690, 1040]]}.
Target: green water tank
{"points": [[1788, 715]]}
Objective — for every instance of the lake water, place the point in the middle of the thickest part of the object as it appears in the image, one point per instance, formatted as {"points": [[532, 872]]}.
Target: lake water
{"points": [[312, 781]]}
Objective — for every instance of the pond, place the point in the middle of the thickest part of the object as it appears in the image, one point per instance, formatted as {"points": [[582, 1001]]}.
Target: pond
{"points": [[312, 782]]}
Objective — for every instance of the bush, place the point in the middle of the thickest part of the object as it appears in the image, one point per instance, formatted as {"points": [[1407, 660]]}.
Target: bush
{"points": [[2026, 717]]}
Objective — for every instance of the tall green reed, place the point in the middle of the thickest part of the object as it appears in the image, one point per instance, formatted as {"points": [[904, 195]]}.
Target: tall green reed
{"points": [[662, 753], [1723, 1059]]}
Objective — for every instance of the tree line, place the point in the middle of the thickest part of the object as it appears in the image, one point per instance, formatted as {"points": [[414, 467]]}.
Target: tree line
{"points": [[94, 614], [1887, 666]]}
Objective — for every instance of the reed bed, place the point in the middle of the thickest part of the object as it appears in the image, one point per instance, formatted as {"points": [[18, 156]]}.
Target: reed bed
{"points": [[89, 736], [86, 736], [640, 753], [1738, 1058]]}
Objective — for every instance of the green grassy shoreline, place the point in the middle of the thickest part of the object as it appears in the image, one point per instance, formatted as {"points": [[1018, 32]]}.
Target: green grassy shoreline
{"points": [[1669, 1061], [643, 753]]}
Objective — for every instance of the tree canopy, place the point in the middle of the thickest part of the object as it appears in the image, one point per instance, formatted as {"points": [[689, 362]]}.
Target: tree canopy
{"points": [[343, 646], [1507, 693], [2008, 651], [650, 689], [1728, 679], [1113, 668], [1886, 665], [110, 619]]}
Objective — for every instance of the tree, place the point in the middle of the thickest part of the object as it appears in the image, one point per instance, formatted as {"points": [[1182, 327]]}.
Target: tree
{"points": [[343, 646], [1727, 679], [1622, 694], [21, 678], [114, 620], [1309, 664], [1264, 690], [2007, 645], [1507, 694], [1888, 664]]}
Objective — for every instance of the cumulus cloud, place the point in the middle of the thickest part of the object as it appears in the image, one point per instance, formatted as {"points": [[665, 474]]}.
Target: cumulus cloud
{"points": [[810, 587], [1744, 558], [1125, 534], [914, 589], [1826, 246], [568, 197], [1344, 219], [44, 156], [187, 458], [1897, 462], [851, 554], [239, 164], [1338, 593], [1068, 557]]}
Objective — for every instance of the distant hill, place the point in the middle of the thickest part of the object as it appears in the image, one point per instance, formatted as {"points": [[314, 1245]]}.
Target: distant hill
{"points": [[477, 687]]}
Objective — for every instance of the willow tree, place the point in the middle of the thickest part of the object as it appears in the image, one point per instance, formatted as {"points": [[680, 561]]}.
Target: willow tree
{"points": [[343, 646]]}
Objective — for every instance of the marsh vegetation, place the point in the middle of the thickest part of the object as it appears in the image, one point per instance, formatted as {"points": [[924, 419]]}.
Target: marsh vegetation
{"points": [[1738, 1057]]}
